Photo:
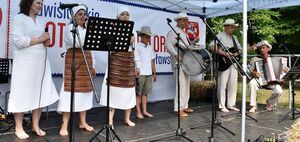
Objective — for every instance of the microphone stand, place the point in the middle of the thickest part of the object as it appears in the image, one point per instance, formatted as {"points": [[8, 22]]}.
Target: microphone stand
{"points": [[73, 68], [179, 132]]}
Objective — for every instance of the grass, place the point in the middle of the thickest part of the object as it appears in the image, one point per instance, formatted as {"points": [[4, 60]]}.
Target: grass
{"points": [[263, 95]]}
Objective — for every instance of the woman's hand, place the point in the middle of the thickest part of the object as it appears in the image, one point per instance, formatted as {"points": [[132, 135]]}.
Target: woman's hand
{"points": [[93, 72], [47, 43], [132, 40], [44, 37]]}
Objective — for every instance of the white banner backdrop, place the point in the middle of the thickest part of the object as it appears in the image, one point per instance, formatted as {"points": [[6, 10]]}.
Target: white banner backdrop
{"points": [[3, 28], [57, 19]]}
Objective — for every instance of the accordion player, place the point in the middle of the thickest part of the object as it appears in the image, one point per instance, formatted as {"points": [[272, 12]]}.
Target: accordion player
{"points": [[268, 73], [271, 70]]}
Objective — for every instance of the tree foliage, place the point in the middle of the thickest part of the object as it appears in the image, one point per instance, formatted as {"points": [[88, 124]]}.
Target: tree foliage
{"points": [[281, 27]]}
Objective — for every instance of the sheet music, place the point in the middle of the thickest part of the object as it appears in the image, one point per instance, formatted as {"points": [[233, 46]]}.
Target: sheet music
{"points": [[284, 63]]}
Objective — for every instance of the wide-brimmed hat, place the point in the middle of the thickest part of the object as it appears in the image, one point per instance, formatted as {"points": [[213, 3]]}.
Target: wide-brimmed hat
{"points": [[145, 30], [79, 7], [264, 42], [230, 22], [181, 15]]}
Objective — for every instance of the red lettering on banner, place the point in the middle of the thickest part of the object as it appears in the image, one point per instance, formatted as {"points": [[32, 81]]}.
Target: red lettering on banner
{"points": [[61, 31], [159, 42], [1, 16], [53, 27]]}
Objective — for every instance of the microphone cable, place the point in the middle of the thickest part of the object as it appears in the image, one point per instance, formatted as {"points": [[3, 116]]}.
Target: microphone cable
{"points": [[41, 89]]}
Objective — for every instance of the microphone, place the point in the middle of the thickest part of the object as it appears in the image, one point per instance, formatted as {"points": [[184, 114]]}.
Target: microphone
{"points": [[202, 17], [86, 22], [69, 5], [169, 20], [47, 42]]}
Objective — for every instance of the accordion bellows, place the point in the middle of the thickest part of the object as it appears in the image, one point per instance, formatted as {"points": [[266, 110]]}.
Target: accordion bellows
{"points": [[271, 70]]}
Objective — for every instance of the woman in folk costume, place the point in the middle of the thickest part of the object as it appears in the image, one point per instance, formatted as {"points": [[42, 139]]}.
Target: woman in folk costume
{"points": [[32, 87], [83, 93], [124, 67]]}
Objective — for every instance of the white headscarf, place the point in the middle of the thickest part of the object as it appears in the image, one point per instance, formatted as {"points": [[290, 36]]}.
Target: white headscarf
{"points": [[123, 9], [77, 8]]}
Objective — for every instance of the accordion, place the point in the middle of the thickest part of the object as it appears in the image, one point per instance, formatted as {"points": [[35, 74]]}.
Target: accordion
{"points": [[271, 70]]}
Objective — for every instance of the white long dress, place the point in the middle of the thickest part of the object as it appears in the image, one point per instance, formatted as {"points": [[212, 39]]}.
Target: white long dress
{"points": [[31, 83], [82, 101], [120, 98]]}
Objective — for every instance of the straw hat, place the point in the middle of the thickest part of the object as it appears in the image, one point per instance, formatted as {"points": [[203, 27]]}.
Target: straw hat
{"points": [[264, 42], [230, 22], [145, 30], [181, 15]]}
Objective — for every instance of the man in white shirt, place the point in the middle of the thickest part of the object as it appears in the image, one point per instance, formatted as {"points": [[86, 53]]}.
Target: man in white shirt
{"points": [[227, 73], [264, 47], [184, 79], [147, 72]]}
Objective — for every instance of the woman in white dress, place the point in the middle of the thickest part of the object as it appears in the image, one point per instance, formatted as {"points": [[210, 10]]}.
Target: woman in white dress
{"points": [[124, 70], [32, 87], [83, 94]]}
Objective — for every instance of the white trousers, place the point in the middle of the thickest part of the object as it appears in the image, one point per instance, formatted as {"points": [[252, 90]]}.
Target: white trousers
{"points": [[227, 79], [276, 92], [184, 90]]}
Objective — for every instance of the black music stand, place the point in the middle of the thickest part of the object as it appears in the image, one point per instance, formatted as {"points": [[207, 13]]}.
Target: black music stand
{"points": [[4, 74], [292, 75], [108, 35], [4, 69]]}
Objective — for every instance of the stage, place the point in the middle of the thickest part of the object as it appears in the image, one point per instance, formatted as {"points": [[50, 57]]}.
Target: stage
{"points": [[164, 124]]}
